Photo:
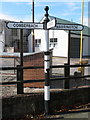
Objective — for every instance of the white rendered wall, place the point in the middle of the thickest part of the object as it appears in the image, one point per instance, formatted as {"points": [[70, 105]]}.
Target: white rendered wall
{"points": [[62, 45], [40, 34], [30, 47], [2, 40]]}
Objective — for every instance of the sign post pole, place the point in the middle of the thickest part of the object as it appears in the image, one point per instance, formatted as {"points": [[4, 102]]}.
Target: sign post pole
{"points": [[46, 64]]}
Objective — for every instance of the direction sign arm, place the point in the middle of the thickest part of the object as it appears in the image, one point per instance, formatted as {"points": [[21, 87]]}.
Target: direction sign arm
{"points": [[24, 25], [51, 24], [72, 27]]}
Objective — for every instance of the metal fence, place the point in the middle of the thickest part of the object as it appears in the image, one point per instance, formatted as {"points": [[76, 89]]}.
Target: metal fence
{"points": [[56, 82], [70, 80]]}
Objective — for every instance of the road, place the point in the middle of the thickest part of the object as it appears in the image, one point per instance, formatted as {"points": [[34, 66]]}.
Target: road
{"points": [[71, 116], [73, 61]]}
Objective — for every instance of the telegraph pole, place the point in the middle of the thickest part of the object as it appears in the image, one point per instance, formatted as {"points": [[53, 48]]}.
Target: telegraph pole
{"points": [[33, 38]]}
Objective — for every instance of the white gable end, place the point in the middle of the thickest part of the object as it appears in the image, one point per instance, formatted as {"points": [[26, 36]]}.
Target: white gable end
{"points": [[60, 46]]}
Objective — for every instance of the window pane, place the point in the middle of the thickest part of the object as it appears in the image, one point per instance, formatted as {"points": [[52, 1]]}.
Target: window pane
{"points": [[39, 40], [51, 39], [36, 41], [55, 39]]}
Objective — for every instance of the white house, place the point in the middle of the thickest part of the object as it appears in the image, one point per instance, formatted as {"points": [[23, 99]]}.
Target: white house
{"points": [[58, 40]]}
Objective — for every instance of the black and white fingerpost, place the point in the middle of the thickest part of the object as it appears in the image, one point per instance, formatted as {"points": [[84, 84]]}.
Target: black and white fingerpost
{"points": [[46, 64]]}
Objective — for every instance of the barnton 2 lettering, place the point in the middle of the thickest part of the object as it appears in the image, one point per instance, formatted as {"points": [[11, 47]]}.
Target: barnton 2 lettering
{"points": [[67, 26]]}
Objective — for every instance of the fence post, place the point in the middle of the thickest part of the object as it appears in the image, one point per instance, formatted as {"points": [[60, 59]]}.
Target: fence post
{"points": [[66, 74], [19, 80]]}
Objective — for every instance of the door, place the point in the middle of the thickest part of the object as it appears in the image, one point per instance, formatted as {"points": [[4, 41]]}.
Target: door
{"points": [[75, 48]]}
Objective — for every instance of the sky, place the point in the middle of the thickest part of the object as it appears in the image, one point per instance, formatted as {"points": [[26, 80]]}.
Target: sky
{"points": [[22, 11]]}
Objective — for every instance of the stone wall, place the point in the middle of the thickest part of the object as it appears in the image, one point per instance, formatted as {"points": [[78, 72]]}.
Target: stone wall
{"points": [[21, 105]]}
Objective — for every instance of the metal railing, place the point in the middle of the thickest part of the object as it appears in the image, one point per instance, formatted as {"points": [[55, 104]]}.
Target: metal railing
{"points": [[66, 76]]}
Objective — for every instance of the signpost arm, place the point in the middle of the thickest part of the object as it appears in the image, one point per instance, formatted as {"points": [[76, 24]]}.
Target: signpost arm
{"points": [[46, 64]]}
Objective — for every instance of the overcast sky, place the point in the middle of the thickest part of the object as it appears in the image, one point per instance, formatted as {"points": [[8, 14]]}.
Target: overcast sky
{"points": [[22, 11]]}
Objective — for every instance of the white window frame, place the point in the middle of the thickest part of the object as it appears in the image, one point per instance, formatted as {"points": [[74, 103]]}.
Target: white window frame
{"points": [[53, 42], [37, 42]]}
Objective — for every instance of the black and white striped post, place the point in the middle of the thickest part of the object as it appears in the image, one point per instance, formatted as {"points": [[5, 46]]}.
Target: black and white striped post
{"points": [[46, 64]]}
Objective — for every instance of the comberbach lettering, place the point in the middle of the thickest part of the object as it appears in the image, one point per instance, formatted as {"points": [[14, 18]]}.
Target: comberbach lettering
{"points": [[23, 25]]}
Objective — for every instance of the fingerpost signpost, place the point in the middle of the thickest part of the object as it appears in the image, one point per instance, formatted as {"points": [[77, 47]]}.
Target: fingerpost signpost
{"points": [[46, 25]]}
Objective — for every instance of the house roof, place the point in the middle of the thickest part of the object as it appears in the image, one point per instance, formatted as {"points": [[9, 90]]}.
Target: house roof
{"points": [[86, 30]]}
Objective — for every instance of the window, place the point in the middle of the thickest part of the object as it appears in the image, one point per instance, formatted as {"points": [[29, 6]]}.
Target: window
{"points": [[37, 42], [14, 32], [53, 42]]}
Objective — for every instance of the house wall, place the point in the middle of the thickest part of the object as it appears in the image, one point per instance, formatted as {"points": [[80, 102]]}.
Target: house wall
{"points": [[2, 37], [40, 34], [30, 47], [62, 45], [61, 49]]}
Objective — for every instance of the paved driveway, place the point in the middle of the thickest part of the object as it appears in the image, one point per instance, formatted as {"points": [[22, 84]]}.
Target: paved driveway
{"points": [[73, 61]]}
